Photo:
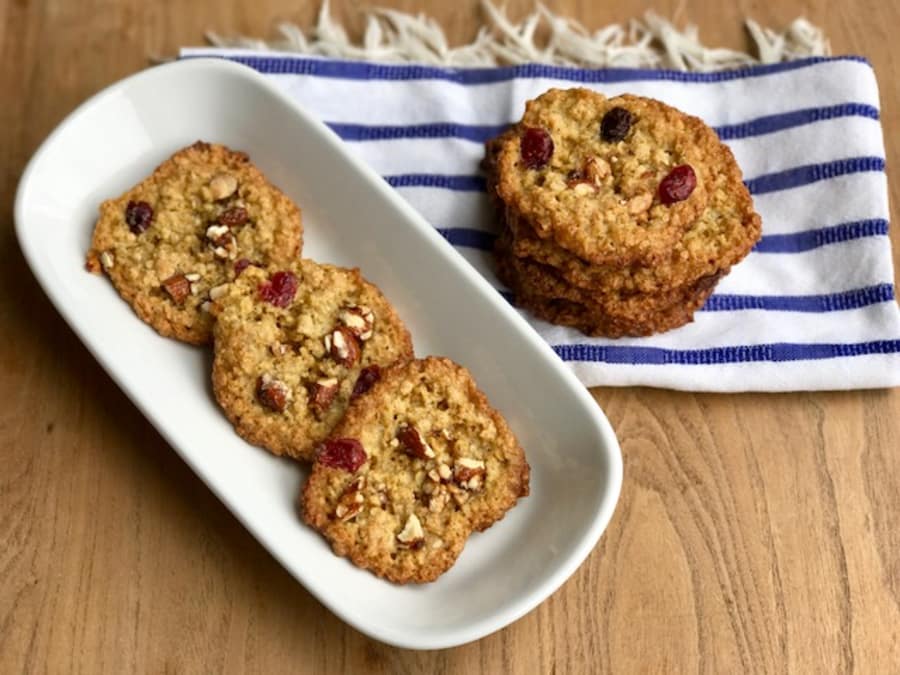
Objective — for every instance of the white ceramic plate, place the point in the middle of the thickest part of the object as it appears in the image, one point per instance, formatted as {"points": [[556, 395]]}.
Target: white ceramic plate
{"points": [[351, 217]]}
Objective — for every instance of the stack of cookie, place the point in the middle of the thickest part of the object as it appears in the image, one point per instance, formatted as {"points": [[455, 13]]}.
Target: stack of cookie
{"points": [[619, 216], [312, 362]]}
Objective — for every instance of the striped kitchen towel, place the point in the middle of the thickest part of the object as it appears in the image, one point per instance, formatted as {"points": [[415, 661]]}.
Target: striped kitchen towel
{"points": [[813, 305]]}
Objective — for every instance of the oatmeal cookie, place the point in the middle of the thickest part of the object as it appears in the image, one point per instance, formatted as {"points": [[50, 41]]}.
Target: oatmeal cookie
{"points": [[294, 346], [538, 289], [418, 463], [170, 239], [614, 181], [721, 237]]}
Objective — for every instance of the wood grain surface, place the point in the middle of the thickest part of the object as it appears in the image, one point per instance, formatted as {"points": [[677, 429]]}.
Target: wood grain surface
{"points": [[756, 533]]}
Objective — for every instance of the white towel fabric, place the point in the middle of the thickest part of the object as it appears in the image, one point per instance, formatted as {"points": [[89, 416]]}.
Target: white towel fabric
{"points": [[812, 307]]}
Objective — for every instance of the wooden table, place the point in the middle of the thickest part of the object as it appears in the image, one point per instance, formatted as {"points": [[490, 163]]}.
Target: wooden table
{"points": [[755, 532]]}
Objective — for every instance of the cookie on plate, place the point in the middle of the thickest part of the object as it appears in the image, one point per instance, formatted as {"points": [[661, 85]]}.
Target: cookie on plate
{"points": [[294, 346], [170, 239], [417, 464], [613, 181]]}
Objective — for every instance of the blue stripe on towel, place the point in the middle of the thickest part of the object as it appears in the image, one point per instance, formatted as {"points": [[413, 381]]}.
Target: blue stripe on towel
{"points": [[798, 242], [811, 304], [361, 70], [382, 132], [794, 118], [465, 183], [775, 352], [812, 173], [817, 304], [468, 237], [479, 133]]}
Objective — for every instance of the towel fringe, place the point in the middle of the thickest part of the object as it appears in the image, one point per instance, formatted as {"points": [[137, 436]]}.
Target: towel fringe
{"points": [[650, 42]]}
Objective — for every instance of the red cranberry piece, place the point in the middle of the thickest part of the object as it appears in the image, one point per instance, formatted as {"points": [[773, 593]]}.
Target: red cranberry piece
{"points": [[536, 147], [280, 289], [138, 216], [342, 453], [368, 376], [240, 266], [234, 216], [678, 185]]}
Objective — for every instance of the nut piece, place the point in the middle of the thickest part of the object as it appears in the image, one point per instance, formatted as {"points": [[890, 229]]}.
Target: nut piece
{"points": [[107, 260], [583, 189], [206, 306], [438, 501], [178, 288], [216, 233], [469, 473], [222, 240], [273, 394], [351, 501], [322, 393], [359, 319], [193, 277], [413, 443], [412, 536], [459, 496], [222, 186], [596, 169], [342, 346], [444, 472], [640, 203], [217, 292]]}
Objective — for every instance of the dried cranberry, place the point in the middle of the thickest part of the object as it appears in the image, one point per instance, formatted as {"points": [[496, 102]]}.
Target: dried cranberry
{"points": [[536, 147], [234, 216], [138, 216], [342, 453], [240, 266], [615, 125], [280, 289], [678, 185], [368, 376]]}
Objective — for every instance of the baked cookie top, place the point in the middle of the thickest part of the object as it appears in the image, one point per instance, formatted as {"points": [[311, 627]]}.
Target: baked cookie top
{"points": [[612, 180], [417, 464], [170, 239], [721, 237], [293, 345]]}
